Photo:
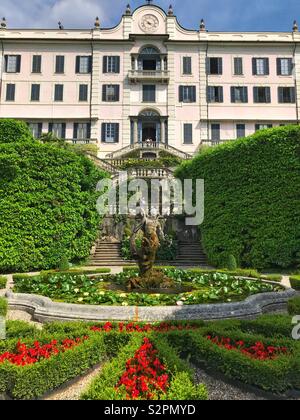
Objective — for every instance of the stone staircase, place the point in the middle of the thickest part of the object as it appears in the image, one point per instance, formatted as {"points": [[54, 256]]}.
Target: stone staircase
{"points": [[107, 254], [190, 254]]}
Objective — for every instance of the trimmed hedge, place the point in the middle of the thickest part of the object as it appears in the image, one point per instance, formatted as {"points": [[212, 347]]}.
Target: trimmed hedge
{"points": [[3, 282], [295, 282], [294, 306], [251, 198], [12, 131], [3, 307], [47, 205], [181, 384]]}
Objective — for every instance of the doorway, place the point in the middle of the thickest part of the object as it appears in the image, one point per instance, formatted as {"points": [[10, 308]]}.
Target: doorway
{"points": [[149, 132]]}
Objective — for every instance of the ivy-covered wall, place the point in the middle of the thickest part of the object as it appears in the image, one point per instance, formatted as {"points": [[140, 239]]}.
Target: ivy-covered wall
{"points": [[47, 205], [252, 198]]}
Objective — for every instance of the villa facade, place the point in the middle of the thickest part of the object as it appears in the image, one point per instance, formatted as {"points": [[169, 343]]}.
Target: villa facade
{"points": [[149, 79]]}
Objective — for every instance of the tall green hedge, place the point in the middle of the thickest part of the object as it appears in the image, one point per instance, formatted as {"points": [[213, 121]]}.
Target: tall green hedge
{"points": [[12, 131], [47, 206], [252, 191]]}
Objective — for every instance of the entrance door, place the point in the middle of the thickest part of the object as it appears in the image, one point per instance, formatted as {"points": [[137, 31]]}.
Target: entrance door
{"points": [[149, 132]]}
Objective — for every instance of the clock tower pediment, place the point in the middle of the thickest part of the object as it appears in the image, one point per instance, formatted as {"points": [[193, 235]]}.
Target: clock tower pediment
{"points": [[149, 19]]}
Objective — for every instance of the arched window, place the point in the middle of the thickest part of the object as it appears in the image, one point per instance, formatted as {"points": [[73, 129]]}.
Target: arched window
{"points": [[149, 113], [149, 51]]}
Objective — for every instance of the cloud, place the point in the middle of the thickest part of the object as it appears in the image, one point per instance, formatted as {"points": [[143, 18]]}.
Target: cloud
{"points": [[227, 15]]}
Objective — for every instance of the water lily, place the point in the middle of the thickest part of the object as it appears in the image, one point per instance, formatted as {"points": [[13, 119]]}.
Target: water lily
{"points": [[124, 303], [179, 303], [86, 294], [123, 295], [102, 293], [80, 299], [76, 290]]}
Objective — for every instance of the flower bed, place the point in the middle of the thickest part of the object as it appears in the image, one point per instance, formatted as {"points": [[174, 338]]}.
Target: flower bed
{"points": [[206, 288], [257, 351], [132, 327]]}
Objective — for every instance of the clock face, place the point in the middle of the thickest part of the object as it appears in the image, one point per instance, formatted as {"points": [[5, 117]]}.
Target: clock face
{"points": [[149, 23]]}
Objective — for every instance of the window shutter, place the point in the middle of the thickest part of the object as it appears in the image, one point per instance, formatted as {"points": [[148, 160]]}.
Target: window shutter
{"points": [[280, 95], [116, 133], [40, 129], [105, 64], [117, 64], [232, 94], [220, 66], [291, 66], [117, 93], [75, 132], [245, 95], [50, 127], [104, 93], [90, 64], [255, 94], [77, 67], [278, 66], [194, 94], [221, 95], [180, 93], [208, 65], [268, 95], [103, 130], [267, 66], [293, 95], [88, 130], [18, 63], [209, 94], [254, 67], [6, 62], [63, 130]]}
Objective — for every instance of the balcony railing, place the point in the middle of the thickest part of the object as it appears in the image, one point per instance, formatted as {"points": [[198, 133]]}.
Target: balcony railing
{"points": [[161, 76], [81, 141]]}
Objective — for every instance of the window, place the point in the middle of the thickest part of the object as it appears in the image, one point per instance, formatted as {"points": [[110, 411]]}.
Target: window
{"points": [[188, 133], [110, 93], [285, 66], [214, 65], [111, 64], [149, 93], [262, 126], [83, 64], [110, 133], [60, 64], [260, 66], [36, 129], [58, 130], [187, 94], [83, 93], [262, 95], [59, 93], [215, 94], [12, 63], [37, 64], [240, 131], [239, 94], [82, 131], [10, 92], [35, 92], [187, 65], [286, 95], [215, 133], [238, 66]]}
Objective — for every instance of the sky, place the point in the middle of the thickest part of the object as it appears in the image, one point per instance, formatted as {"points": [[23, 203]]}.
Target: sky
{"points": [[219, 15]]}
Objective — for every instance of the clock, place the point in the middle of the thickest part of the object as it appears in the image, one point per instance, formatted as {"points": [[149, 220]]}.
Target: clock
{"points": [[149, 23]]}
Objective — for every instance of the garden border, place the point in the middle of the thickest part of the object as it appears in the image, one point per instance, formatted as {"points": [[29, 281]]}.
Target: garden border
{"points": [[44, 309]]}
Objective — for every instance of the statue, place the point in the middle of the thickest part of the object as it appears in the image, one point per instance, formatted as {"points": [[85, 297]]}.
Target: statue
{"points": [[146, 255]]}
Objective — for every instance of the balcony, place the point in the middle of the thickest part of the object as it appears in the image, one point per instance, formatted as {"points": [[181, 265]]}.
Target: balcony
{"points": [[157, 76]]}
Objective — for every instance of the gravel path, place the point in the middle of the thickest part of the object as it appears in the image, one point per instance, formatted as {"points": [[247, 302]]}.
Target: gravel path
{"points": [[221, 388], [73, 389]]}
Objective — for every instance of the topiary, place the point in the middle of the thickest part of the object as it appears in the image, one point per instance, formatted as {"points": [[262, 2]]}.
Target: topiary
{"points": [[294, 306], [231, 263], [3, 307], [64, 264]]}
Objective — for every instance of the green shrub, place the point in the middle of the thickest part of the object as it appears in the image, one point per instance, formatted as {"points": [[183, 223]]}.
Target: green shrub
{"points": [[294, 306], [12, 131], [3, 307], [64, 264], [273, 277], [251, 198], [3, 282], [47, 206], [20, 329], [295, 282], [231, 263]]}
